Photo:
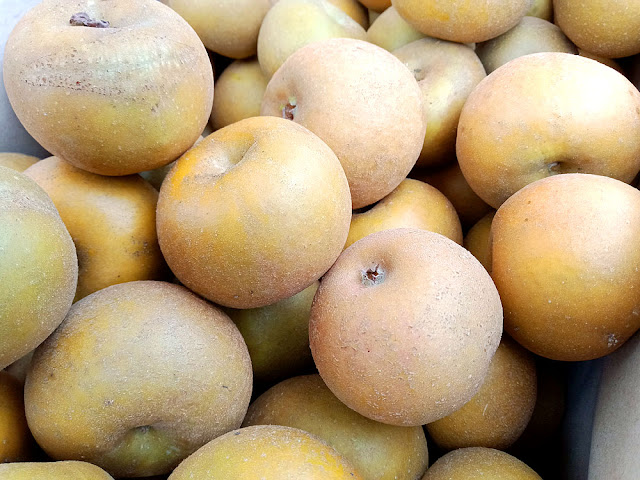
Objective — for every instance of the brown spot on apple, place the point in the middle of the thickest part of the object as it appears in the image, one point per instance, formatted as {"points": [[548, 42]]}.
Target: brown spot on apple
{"points": [[82, 19]]}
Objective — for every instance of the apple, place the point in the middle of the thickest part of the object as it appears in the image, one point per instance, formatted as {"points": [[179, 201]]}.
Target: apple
{"points": [[53, 471], [143, 373], [404, 326], [542, 9], [604, 27], [38, 266], [376, 450], [450, 181], [376, 6], [292, 24], [17, 161], [267, 452], [606, 61], [499, 413], [390, 31], [227, 27], [362, 101], [545, 114], [447, 73], [478, 240], [112, 222], [277, 337], [567, 267], [479, 462], [354, 9], [463, 21], [239, 92], [129, 97], [254, 214], [413, 204], [531, 35]]}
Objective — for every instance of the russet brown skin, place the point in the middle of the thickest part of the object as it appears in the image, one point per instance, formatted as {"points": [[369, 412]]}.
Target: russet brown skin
{"points": [[239, 92], [512, 132], [498, 414], [462, 21], [114, 101], [112, 221], [38, 266], [413, 204], [227, 27], [447, 73], [233, 214], [15, 437], [450, 181], [531, 35], [478, 240], [377, 451], [390, 31], [479, 462], [17, 161], [162, 373], [602, 27], [374, 89], [567, 267], [53, 471], [391, 316], [292, 24], [266, 452]]}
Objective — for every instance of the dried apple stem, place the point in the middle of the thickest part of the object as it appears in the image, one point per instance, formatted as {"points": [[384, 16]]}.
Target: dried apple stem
{"points": [[82, 19]]}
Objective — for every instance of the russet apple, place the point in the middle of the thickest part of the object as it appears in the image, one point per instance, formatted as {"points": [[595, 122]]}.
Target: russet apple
{"points": [[478, 240], [143, 374], [227, 27], [390, 31], [112, 221], [266, 452], [292, 24], [404, 326], [17, 161], [38, 266], [463, 21], [604, 27], [567, 267], [545, 114], [497, 415], [479, 462], [447, 73], [239, 92], [234, 214], [377, 451], [530, 35], [354, 9], [53, 471], [113, 87], [413, 204], [15, 437], [370, 114]]}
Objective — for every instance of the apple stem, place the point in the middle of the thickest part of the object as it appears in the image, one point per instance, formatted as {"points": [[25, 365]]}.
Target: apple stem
{"points": [[82, 19]]}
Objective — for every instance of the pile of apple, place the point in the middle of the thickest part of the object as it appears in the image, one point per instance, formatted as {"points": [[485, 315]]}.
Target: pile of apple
{"points": [[277, 299]]}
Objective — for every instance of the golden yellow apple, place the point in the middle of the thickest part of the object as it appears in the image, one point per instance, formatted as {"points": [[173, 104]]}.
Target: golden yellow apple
{"points": [[390, 31], [15, 437]]}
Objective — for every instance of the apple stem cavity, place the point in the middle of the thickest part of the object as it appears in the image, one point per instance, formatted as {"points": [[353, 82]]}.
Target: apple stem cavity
{"points": [[373, 276], [82, 19], [289, 110]]}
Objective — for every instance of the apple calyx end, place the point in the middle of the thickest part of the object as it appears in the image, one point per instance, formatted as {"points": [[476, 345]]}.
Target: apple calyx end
{"points": [[373, 276], [82, 19]]}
